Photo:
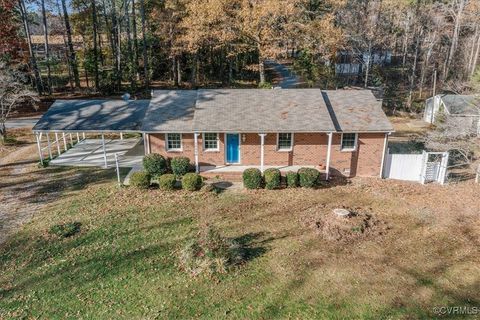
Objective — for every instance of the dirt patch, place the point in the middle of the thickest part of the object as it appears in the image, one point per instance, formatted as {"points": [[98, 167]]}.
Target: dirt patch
{"points": [[359, 224]]}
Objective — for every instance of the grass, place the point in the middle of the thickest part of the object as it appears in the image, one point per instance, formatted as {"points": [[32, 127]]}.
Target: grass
{"points": [[123, 262]]}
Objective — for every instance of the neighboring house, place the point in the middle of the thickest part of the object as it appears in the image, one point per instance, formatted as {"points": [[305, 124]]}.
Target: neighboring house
{"points": [[465, 107], [342, 132], [349, 63]]}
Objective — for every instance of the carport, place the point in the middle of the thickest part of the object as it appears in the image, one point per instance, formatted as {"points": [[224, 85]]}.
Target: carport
{"points": [[88, 133]]}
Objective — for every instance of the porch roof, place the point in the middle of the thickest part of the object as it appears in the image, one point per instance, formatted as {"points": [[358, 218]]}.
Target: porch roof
{"points": [[93, 115]]}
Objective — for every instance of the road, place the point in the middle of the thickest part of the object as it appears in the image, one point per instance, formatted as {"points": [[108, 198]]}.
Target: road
{"points": [[290, 80], [17, 123]]}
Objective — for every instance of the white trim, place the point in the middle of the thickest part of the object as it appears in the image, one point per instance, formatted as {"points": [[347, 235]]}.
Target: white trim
{"points": [[349, 149], [239, 147], [205, 149], [291, 142], [262, 150], [195, 139], [329, 154], [173, 149], [382, 166]]}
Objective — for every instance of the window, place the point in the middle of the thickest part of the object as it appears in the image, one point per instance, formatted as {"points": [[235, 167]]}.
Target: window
{"points": [[210, 141], [285, 141], [174, 141], [349, 141]]}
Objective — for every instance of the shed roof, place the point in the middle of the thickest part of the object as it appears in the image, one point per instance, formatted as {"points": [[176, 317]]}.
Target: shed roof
{"points": [[356, 111], [254, 110], [93, 115], [466, 105]]}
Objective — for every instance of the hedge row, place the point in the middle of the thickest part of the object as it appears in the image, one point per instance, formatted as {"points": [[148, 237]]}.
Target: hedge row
{"points": [[272, 178], [156, 165]]}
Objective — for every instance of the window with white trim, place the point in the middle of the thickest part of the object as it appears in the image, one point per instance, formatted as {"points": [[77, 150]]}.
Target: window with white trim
{"points": [[174, 142], [349, 141], [285, 141], [210, 141]]}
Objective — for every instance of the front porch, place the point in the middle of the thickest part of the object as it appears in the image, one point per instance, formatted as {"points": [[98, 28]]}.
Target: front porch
{"points": [[234, 172]]}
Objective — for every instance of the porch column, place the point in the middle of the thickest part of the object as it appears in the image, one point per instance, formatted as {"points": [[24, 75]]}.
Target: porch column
{"points": [[64, 141], [78, 137], [58, 143], [385, 143], [329, 152], [83, 135], [71, 139], [262, 150], [121, 135], [49, 146], [39, 146], [195, 141], [104, 151]]}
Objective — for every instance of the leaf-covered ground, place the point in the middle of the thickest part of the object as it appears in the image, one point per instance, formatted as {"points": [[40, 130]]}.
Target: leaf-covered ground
{"points": [[123, 263]]}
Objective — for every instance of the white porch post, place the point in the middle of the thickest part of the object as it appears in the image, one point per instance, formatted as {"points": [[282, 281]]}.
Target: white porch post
{"points": [[39, 146], [58, 143], [78, 137], [83, 134], [145, 143], [71, 140], [329, 152], [262, 150], [49, 146], [121, 135], [104, 151], [195, 141], [64, 141]]}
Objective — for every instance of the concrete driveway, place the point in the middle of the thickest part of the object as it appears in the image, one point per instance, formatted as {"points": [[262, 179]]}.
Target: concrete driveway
{"points": [[89, 153], [17, 123]]}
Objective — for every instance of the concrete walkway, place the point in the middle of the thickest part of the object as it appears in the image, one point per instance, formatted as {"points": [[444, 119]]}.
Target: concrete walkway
{"points": [[17, 123], [289, 79]]}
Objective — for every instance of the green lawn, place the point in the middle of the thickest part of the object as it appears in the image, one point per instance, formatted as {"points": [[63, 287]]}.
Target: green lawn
{"points": [[123, 263]]}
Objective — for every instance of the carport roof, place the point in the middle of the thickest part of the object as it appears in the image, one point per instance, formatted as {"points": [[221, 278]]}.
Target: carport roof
{"points": [[94, 115]]}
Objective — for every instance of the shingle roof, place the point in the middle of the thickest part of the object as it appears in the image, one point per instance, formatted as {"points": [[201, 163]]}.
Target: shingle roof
{"points": [[224, 110], [255, 110], [356, 111], [170, 111], [466, 105], [93, 115]]}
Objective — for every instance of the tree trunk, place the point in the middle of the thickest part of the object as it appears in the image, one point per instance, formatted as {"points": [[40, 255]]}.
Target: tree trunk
{"points": [[129, 46], [367, 67], [47, 49], [118, 47], [3, 132], [475, 57], [261, 70], [72, 56], [174, 71], [414, 70], [95, 49], [179, 71], [33, 60], [193, 78], [135, 39], [456, 30], [66, 45], [144, 46]]}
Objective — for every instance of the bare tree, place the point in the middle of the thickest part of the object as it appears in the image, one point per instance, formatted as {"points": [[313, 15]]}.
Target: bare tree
{"points": [[12, 92], [47, 49], [72, 56]]}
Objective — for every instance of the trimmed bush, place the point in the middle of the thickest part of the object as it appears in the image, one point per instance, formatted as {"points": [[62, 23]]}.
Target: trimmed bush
{"points": [[252, 178], [308, 177], [167, 181], [65, 230], [180, 166], [292, 179], [155, 164], [140, 179], [192, 182], [210, 253], [272, 178]]}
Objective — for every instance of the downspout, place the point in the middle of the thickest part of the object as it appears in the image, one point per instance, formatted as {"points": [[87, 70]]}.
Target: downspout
{"points": [[262, 150], [384, 153], [195, 139], [329, 152]]}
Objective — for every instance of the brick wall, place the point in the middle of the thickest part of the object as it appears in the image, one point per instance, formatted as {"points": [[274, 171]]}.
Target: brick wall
{"points": [[308, 149]]}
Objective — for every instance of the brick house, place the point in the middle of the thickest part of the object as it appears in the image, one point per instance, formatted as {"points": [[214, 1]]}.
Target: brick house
{"points": [[340, 132]]}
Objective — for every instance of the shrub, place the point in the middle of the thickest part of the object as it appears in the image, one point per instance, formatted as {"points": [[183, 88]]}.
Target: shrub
{"points": [[252, 178], [180, 166], [273, 178], [140, 179], [210, 253], [308, 177], [65, 230], [292, 179], [167, 181], [155, 164], [192, 181]]}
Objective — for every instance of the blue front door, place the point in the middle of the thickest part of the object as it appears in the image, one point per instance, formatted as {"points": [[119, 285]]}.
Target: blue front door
{"points": [[233, 148]]}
